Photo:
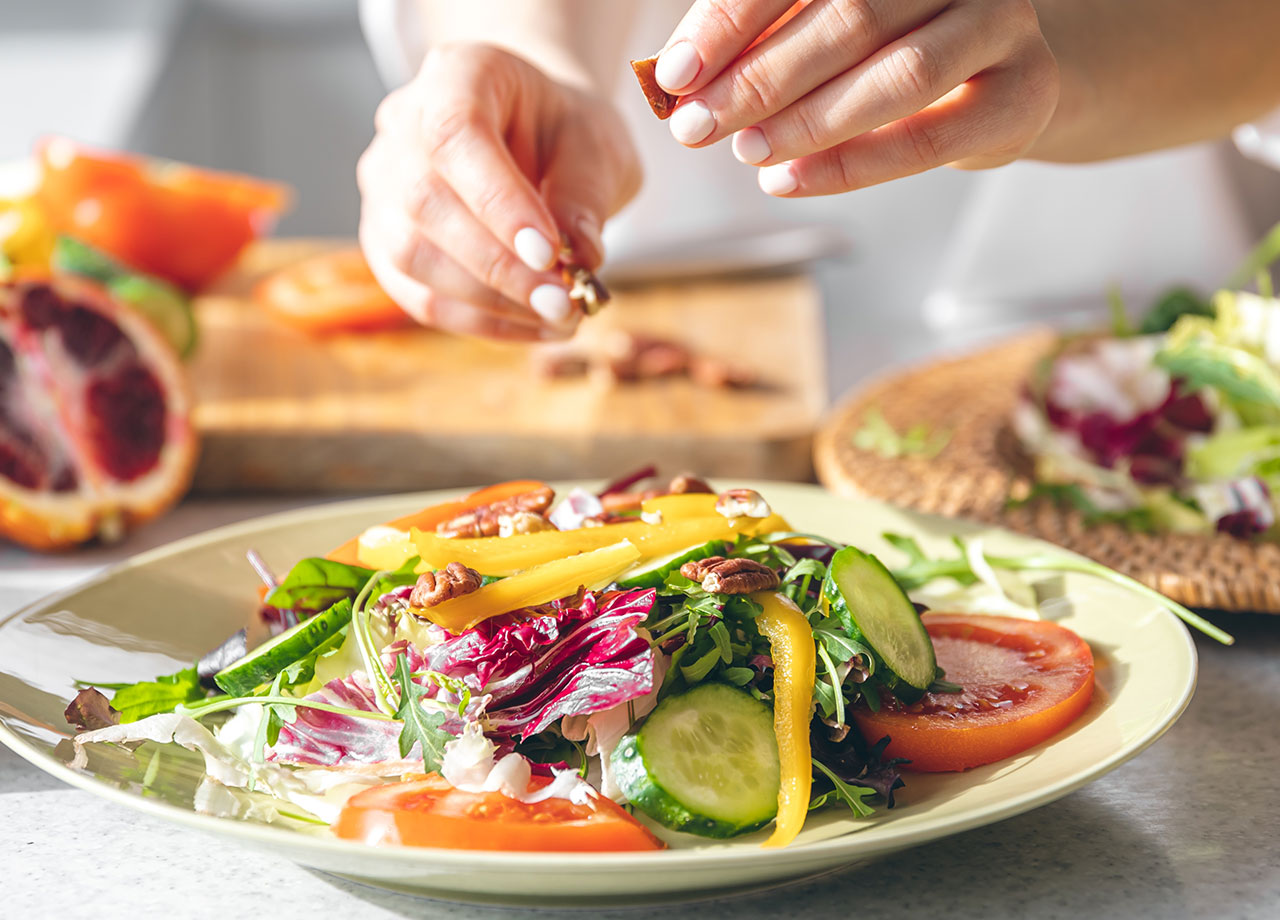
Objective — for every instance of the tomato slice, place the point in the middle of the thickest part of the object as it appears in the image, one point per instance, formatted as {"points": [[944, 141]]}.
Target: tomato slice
{"points": [[177, 222], [1024, 681], [431, 813], [331, 292]]}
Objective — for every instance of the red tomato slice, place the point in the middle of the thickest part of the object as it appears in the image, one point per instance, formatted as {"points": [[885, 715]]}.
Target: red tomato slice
{"points": [[331, 292], [431, 813], [1024, 681], [177, 222]]}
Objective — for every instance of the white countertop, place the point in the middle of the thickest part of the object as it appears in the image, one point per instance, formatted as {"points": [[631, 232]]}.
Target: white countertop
{"points": [[1187, 829]]}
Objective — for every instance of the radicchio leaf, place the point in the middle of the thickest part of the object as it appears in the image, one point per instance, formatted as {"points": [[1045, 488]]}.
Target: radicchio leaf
{"points": [[576, 661], [328, 738]]}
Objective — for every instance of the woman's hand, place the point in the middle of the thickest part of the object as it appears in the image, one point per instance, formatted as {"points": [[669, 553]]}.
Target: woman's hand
{"points": [[851, 93], [477, 169]]}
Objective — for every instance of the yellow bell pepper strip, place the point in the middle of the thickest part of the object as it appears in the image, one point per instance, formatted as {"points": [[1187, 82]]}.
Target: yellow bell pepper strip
{"points": [[508, 555], [382, 547], [700, 504], [538, 585], [794, 668]]}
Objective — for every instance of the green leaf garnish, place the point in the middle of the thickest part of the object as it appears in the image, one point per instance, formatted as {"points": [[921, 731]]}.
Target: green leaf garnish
{"points": [[421, 726]]}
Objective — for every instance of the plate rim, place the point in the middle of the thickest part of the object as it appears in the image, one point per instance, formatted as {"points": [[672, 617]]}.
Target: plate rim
{"points": [[850, 847]]}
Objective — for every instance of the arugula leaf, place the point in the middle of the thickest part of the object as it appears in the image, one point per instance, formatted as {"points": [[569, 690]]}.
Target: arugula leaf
{"points": [[421, 727], [841, 791], [318, 584], [149, 697], [274, 715]]}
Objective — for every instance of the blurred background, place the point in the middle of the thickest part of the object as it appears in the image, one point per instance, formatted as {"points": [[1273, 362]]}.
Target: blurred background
{"points": [[286, 89]]}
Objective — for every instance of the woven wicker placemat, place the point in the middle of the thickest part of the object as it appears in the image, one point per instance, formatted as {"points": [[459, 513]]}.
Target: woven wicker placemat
{"points": [[982, 464]]}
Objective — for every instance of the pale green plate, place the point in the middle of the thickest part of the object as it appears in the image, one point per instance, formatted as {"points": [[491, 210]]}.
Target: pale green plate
{"points": [[162, 609]]}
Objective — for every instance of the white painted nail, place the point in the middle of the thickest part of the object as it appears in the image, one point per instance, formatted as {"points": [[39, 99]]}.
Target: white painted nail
{"points": [[534, 249], [750, 146], [692, 122], [552, 303], [777, 180], [677, 66]]}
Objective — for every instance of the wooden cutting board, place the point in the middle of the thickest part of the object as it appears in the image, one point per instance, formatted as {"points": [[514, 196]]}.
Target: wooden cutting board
{"points": [[416, 409]]}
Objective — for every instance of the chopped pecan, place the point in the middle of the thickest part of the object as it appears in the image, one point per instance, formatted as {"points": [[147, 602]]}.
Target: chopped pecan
{"points": [[483, 521], [719, 575], [740, 503], [662, 102], [585, 289], [721, 375], [522, 522], [454, 580], [688, 484]]}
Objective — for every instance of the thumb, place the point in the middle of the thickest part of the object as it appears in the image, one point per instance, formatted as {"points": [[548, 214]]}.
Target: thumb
{"points": [[592, 173]]}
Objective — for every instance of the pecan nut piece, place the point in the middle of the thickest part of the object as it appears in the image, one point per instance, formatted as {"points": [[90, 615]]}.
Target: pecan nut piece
{"points": [[662, 102], [522, 522], [688, 484], [454, 580], [719, 575], [484, 521]]}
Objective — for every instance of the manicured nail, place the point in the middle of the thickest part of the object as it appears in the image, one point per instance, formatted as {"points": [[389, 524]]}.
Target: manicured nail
{"points": [[534, 249], [551, 302], [591, 230], [677, 66], [692, 122], [750, 146], [778, 180]]}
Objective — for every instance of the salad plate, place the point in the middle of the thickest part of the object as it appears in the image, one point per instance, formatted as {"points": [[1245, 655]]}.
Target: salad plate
{"points": [[166, 607]]}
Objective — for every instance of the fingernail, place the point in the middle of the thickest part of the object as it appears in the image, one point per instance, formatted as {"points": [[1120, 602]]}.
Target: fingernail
{"points": [[551, 302], [750, 146], [691, 122], [677, 66], [591, 230], [777, 180], [534, 249]]}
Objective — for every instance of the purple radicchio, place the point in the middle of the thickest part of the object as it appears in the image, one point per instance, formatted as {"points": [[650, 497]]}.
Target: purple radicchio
{"points": [[332, 739], [574, 661]]}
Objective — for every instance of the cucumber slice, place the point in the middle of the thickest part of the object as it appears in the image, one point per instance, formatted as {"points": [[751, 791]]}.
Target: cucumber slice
{"points": [[261, 665], [705, 762], [875, 610], [653, 572]]}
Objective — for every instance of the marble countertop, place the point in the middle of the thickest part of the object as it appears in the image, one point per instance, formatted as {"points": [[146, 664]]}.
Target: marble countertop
{"points": [[1187, 829]]}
